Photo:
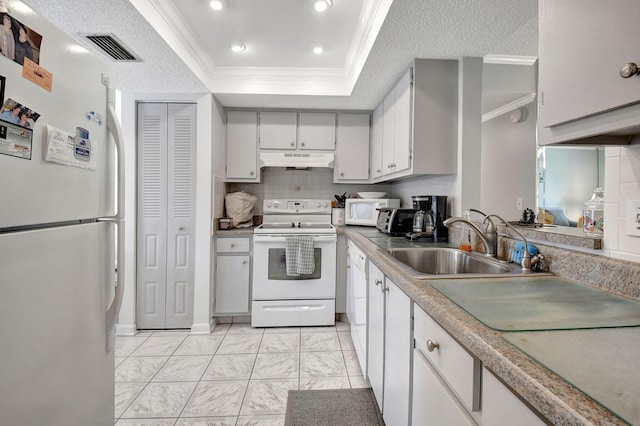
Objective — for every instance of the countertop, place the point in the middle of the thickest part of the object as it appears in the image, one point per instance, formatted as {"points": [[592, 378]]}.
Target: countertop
{"points": [[556, 399]]}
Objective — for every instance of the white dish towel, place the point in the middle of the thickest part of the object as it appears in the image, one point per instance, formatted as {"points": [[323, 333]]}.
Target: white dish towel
{"points": [[299, 255]]}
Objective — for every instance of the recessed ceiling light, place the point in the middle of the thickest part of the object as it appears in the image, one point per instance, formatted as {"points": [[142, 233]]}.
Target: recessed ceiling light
{"points": [[318, 49], [322, 5], [217, 4], [238, 47]]}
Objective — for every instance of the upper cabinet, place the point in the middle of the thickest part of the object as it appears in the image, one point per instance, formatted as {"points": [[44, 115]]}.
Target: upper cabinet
{"points": [[317, 130], [352, 149], [242, 146], [585, 48], [278, 130], [291, 131], [415, 127]]}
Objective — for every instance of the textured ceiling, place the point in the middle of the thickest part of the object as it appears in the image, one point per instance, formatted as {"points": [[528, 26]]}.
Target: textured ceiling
{"points": [[412, 29]]}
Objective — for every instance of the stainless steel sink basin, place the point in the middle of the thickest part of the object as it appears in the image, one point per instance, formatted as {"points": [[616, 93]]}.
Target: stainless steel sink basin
{"points": [[440, 262]]}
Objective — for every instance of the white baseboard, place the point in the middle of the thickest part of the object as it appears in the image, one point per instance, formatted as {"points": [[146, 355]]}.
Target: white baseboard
{"points": [[203, 328], [126, 329]]}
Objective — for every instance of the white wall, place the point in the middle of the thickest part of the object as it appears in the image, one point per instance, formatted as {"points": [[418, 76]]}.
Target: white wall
{"points": [[621, 183], [508, 161], [425, 185], [469, 187]]}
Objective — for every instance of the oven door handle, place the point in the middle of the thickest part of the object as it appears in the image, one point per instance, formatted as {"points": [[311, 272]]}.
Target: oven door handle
{"points": [[282, 239]]}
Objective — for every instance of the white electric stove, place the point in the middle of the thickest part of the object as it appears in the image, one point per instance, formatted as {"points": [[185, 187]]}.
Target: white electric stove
{"points": [[280, 299]]}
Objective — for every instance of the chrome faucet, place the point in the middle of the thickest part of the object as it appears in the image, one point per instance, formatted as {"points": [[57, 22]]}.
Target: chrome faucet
{"points": [[526, 256], [488, 238], [491, 227]]}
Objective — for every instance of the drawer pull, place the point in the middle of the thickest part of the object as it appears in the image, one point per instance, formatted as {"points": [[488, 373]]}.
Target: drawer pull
{"points": [[431, 345]]}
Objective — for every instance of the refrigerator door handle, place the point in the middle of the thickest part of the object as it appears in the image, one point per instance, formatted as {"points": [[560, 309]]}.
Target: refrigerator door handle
{"points": [[112, 313]]}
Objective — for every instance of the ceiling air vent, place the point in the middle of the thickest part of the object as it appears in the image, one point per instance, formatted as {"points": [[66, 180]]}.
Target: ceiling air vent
{"points": [[112, 47]]}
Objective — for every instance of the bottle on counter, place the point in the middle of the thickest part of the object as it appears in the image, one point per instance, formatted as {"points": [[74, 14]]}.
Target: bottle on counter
{"points": [[465, 240], [593, 214]]}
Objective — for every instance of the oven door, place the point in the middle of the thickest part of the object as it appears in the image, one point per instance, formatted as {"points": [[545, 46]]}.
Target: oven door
{"points": [[270, 279]]}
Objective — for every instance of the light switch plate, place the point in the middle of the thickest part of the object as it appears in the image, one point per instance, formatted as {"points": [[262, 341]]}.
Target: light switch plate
{"points": [[633, 218]]}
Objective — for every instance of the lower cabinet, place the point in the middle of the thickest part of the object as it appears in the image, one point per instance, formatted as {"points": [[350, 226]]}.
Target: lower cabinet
{"points": [[421, 375], [389, 365], [233, 272], [375, 325], [446, 378], [451, 387], [432, 401], [501, 407]]}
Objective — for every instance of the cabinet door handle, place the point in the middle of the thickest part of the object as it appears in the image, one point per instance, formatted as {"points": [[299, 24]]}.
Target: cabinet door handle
{"points": [[377, 282], [181, 228], [384, 288], [293, 144], [233, 245], [629, 70], [251, 173], [244, 262], [302, 144], [431, 345], [342, 174]]}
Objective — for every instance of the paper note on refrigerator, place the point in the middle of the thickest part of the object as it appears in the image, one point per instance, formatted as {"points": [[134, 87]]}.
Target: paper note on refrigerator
{"points": [[70, 150]]}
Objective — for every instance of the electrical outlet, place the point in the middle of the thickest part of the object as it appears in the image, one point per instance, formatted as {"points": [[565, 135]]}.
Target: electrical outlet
{"points": [[519, 203], [633, 218]]}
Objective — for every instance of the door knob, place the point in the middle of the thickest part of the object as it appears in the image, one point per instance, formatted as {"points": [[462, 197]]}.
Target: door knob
{"points": [[629, 70]]}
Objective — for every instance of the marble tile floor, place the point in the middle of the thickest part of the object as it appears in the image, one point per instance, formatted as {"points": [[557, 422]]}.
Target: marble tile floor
{"points": [[236, 376]]}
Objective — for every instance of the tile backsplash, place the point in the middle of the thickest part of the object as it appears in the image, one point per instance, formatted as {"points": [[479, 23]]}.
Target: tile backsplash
{"points": [[315, 183], [622, 183]]}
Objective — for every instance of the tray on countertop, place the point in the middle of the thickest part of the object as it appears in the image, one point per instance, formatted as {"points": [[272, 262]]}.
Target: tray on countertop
{"points": [[600, 362], [539, 303]]}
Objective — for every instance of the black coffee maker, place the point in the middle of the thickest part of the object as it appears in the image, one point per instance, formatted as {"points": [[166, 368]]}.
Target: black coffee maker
{"points": [[436, 207]]}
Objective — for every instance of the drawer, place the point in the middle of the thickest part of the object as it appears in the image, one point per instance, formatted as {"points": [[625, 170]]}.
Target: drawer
{"points": [[458, 368], [233, 245]]}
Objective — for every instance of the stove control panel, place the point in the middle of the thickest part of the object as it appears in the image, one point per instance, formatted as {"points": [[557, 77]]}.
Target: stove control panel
{"points": [[296, 206]]}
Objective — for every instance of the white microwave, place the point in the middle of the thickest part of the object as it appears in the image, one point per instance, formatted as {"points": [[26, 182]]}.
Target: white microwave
{"points": [[364, 211]]}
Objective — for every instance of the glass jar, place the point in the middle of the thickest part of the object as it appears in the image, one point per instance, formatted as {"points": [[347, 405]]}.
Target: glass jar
{"points": [[593, 214]]}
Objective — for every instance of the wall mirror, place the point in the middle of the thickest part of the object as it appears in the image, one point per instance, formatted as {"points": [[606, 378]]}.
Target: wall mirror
{"points": [[567, 176]]}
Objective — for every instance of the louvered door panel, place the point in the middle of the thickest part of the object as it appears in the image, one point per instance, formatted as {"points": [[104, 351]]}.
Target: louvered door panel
{"points": [[181, 213], [166, 219], [152, 217]]}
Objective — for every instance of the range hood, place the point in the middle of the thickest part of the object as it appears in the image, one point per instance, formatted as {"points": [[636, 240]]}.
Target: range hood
{"points": [[298, 160]]}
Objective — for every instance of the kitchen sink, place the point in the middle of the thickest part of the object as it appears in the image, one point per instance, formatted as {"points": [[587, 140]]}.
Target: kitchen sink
{"points": [[428, 262]]}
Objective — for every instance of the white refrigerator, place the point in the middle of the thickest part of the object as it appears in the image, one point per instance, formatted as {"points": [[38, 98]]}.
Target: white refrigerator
{"points": [[61, 233]]}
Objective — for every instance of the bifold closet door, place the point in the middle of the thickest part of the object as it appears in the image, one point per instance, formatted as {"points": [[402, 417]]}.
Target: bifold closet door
{"points": [[166, 215]]}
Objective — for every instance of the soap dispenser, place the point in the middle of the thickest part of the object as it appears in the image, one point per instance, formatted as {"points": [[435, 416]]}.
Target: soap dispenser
{"points": [[465, 240]]}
